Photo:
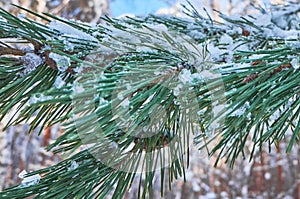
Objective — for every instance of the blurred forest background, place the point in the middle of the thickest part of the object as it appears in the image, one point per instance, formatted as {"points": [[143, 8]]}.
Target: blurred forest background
{"points": [[272, 174]]}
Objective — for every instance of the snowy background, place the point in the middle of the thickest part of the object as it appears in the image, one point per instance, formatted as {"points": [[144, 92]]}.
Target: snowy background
{"points": [[144, 7]]}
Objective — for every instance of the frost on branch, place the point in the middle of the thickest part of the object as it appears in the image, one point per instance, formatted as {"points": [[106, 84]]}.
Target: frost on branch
{"points": [[29, 180], [31, 61], [62, 62], [70, 31]]}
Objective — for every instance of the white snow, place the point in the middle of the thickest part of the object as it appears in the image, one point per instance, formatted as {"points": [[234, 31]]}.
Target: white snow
{"points": [[278, 112], [283, 34], [46, 48], [196, 34], [205, 186], [288, 197], [245, 191], [209, 74], [215, 52], [189, 174], [114, 145], [62, 62], [272, 24], [267, 176], [295, 63], [240, 111], [129, 148], [69, 31], [73, 166], [31, 61], [39, 98], [159, 73], [59, 82], [128, 36], [125, 103], [185, 76], [102, 101], [78, 69], [217, 183], [235, 30], [196, 186], [176, 90], [275, 115], [128, 86], [293, 44], [120, 96], [224, 194], [21, 16], [54, 3], [210, 195], [69, 46], [22, 174], [30, 180], [3, 20], [263, 20], [247, 169], [226, 39], [77, 88], [27, 48]]}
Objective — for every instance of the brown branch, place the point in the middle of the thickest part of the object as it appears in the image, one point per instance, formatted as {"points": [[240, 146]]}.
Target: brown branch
{"points": [[51, 63], [252, 77], [245, 32], [281, 67], [37, 46], [11, 51]]}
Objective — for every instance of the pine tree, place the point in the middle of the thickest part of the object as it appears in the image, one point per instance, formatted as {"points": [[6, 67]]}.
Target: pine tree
{"points": [[134, 94]]}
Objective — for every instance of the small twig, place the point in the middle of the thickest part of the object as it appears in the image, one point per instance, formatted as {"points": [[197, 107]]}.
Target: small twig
{"points": [[37, 46], [252, 77], [49, 61], [11, 51], [280, 68]]}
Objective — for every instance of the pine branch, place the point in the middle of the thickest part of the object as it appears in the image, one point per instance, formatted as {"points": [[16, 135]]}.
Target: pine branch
{"points": [[138, 92], [10, 51]]}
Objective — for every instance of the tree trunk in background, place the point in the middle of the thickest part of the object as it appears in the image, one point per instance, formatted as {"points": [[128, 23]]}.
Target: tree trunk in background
{"points": [[84, 10], [298, 176], [36, 5], [230, 7], [280, 180], [20, 151], [214, 4]]}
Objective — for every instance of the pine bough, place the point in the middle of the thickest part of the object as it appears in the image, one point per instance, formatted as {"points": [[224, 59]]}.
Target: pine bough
{"points": [[134, 94]]}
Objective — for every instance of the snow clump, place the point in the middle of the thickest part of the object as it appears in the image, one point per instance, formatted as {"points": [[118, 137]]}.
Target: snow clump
{"points": [[62, 62], [30, 180], [31, 61]]}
